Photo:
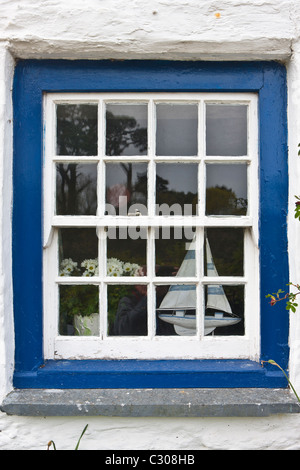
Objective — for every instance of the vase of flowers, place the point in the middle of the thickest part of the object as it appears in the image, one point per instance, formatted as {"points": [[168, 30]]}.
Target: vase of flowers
{"points": [[87, 325], [79, 304]]}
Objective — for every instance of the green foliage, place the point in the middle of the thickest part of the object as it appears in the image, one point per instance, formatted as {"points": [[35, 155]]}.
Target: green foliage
{"points": [[78, 300], [115, 294], [297, 209], [52, 443], [290, 297], [222, 201]]}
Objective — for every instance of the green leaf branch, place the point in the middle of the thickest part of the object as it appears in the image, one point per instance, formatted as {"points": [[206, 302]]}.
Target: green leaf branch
{"points": [[290, 297], [52, 443], [297, 208]]}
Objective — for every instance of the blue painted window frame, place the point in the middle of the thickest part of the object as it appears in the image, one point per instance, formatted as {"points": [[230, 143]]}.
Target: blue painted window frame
{"points": [[33, 78]]}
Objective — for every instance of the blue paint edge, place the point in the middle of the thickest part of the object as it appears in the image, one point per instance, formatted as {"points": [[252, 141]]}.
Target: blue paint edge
{"points": [[150, 374], [33, 78]]}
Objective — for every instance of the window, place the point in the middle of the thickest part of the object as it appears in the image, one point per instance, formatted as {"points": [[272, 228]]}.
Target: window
{"points": [[148, 188], [150, 225]]}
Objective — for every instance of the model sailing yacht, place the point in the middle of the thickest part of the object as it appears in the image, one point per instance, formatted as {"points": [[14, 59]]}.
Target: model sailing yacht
{"points": [[179, 304]]}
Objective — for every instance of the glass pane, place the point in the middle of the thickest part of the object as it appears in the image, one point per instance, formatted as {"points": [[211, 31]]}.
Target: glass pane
{"points": [[77, 129], [224, 252], [176, 129], [126, 255], [127, 310], [126, 188], [126, 129], [78, 252], [226, 129], [176, 188], [226, 189], [174, 252], [76, 189], [224, 313], [176, 308], [79, 310]]}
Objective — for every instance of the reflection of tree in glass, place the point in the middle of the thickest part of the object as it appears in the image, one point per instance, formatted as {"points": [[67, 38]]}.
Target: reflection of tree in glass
{"points": [[76, 192], [129, 190], [166, 195], [223, 201], [140, 186], [124, 133], [76, 135], [178, 197], [161, 183], [77, 129]]}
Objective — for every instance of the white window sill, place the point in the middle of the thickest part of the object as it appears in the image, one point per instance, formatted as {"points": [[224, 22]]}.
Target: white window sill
{"points": [[188, 402]]}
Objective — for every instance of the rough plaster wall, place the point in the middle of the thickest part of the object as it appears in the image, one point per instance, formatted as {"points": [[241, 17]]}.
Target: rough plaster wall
{"points": [[160, 28], [166, 29], [294, 225], [273, 433], [6, 321]]}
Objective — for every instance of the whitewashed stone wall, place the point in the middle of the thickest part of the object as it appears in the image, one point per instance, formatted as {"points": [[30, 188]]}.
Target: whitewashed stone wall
{"points": [[160, 29]]}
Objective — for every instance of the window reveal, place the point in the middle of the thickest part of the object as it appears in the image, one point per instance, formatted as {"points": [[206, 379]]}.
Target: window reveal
{"points": [[153, 222]]}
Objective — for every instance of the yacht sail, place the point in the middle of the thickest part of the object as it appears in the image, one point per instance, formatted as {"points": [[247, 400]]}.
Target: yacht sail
{"points": [[179, 304]]}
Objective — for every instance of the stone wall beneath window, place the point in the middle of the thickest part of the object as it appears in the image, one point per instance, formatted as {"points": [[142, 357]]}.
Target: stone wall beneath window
{"points": [[151, 434], [160, 29]]}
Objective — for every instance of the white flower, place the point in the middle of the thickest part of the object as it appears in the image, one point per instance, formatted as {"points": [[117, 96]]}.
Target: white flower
{"points": [[138, 271], [127, 268], [132, 269], [114, 267], [67, 266], [91, 267]]}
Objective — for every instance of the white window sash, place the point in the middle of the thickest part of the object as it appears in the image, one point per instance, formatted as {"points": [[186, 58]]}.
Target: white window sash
{"points": [[150, 347]]}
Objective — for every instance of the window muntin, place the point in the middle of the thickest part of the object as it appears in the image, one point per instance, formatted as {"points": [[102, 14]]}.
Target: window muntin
{"points": [[142, 165]]}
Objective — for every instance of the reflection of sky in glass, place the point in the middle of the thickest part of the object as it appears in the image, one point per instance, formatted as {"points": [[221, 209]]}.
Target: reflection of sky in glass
{"points": [[226, 130], [126, 129], [176, 132], [180, 176]]}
